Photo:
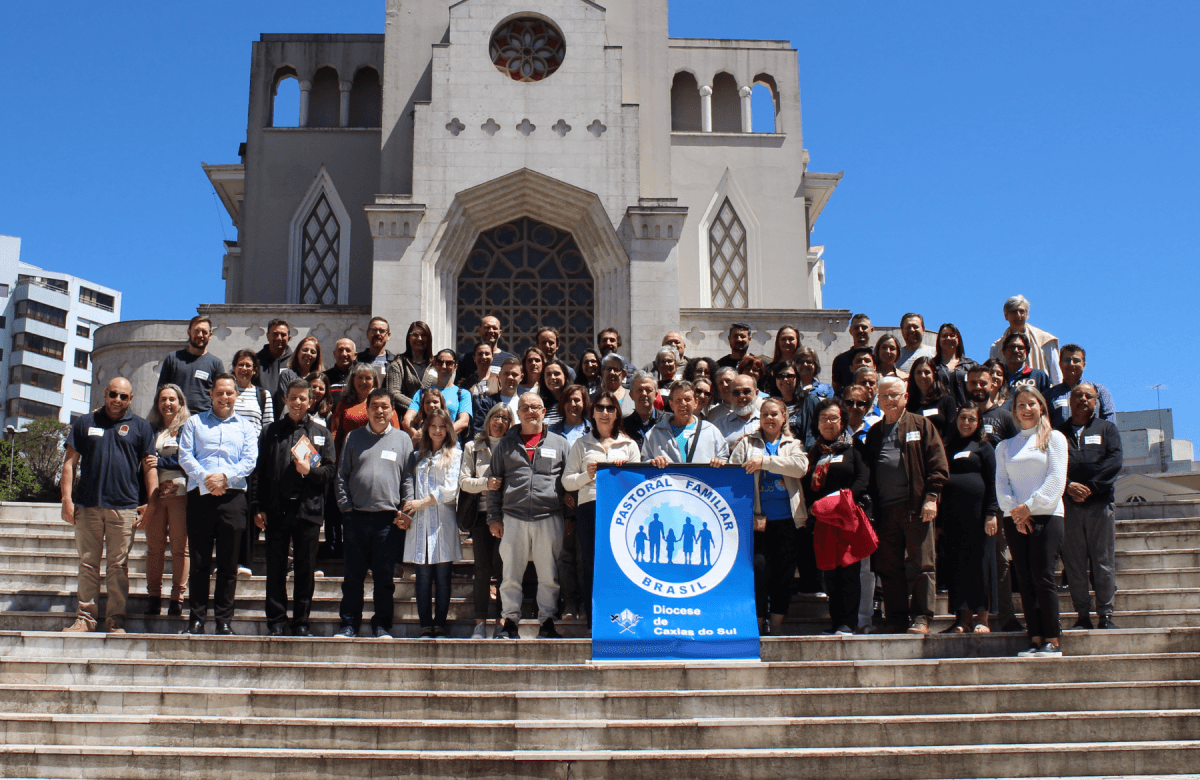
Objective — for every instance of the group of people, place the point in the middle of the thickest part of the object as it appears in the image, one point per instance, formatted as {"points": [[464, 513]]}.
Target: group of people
{"points": [[979, 475]]}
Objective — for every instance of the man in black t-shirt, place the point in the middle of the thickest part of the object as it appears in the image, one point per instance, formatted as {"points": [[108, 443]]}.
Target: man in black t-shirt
{"points": [[193, 368], [108, 446], [739, 345], [841, 374]]}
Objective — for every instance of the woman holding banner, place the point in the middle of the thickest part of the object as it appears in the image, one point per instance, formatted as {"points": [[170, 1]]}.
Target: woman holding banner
{"points": [[607, 443], [777, 462], [837, 466]]}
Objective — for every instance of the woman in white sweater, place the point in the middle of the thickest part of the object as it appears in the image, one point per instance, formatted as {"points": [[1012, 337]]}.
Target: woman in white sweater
{"points": [[607, 443], [1031, 475]]}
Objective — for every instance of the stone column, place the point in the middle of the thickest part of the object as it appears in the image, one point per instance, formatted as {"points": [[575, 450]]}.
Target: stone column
{"points": [[344, 111], [705, 109], [650, 234], [747, 111], [305, 88]]}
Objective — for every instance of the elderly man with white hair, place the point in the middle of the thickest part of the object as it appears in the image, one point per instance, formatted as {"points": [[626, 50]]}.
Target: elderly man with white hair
{"points": [[1043, 346]]}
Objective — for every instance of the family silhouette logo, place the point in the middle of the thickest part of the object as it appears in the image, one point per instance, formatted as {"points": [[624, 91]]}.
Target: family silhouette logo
{"points": [[674, 536]]}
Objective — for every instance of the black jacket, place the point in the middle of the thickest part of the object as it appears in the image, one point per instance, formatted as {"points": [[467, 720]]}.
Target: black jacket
{"points": [[1093, 458], [846, 469], [269, 368], [276, 487]]}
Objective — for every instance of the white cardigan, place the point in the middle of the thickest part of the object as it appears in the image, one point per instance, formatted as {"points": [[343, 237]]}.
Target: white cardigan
{"points": [[587, 450], [1026, 475]]}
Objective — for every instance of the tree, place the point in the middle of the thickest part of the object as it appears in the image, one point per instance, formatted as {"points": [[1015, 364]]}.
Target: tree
{"points": [[42, 445], [24, 485]]}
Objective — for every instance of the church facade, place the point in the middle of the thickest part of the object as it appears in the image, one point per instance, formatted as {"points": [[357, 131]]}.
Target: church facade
{"points": [[553, 162]]}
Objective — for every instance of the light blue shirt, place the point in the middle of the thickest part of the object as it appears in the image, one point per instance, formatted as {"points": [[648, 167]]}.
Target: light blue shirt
{"points": [[211, 445]]}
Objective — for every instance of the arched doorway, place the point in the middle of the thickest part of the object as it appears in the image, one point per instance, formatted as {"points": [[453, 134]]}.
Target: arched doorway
{"points": [[528, 274]]}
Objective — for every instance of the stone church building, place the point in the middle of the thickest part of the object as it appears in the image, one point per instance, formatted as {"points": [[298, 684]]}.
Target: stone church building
{"points": [[549, 161]]}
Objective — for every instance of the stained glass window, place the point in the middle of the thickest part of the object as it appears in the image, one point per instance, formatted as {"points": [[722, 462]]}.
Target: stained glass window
{"points": [[529, 275], [727, 260], [527, 49], [320, 255]]}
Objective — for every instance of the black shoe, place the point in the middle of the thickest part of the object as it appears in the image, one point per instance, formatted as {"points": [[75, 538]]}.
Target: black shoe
{"points": [[1106, 622], [864, 630], [1084, 622], [426, 633], [347, 632], [1013, 625], [440, 632], [195, 627], [223, 628], [153, 606], [548, 631], [276, 631], [379, 632], [302, 631], [175, 608], [508, 630]]}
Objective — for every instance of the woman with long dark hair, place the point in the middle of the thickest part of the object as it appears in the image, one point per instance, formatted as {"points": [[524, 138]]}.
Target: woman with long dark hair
{"points": [[967, 519], [950, 362], [928, 397], [407, 373], [588, 371], [166, 516]]}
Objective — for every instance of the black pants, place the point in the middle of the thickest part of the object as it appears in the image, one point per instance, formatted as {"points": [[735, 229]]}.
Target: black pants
{"points": [[585, 532], [775, 566], [969, 555], [331, 548], [433, 578], [1035, 560], [487, 565], [811, 579], [373, 542], [214, 521], [844, 589], [303, 536]]}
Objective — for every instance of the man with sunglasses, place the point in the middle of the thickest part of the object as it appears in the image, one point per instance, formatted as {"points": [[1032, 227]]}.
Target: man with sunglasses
{"points": [[744, 417], [108, 446]]}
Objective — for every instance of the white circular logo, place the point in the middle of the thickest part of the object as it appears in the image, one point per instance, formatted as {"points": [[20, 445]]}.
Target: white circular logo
{"points": [[674, 536]]}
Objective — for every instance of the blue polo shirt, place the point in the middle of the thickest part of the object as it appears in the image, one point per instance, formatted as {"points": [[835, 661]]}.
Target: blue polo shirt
{"points": [[110, 453]]}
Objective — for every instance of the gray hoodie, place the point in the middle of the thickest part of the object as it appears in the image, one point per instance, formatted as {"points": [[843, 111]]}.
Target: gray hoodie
{"points": [[531, 491]]}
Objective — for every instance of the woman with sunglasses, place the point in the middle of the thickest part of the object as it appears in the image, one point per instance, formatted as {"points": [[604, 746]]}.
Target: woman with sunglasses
{"points": [[700, 368], [607, 443], [456, 401], [703, 389]]}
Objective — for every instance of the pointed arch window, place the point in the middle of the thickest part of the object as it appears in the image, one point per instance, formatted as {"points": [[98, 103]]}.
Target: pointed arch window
{"points": [[319, 263], [727, 260]]}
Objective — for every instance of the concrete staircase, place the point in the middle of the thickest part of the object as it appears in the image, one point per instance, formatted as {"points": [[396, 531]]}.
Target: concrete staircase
{"points": [[1119, 703]]}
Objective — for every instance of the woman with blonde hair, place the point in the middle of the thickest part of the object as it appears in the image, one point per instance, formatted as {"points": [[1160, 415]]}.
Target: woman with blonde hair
{"points": [[431, 542], [166, 514], [1031, 476]]}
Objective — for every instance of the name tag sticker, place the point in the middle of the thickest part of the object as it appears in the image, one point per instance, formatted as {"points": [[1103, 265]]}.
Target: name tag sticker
{"points": [[963, 454], [201, 375], [95, 431], [319, 441], [836, 459], [494, 369], [1093, 440], [987, 428], [388, 455], [930, 412], [912, 436], [546, 452], [1063, 402]]}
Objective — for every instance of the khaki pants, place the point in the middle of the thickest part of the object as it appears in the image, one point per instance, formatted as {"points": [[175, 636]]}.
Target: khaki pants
{"points": [[95, 527], [169, 519], [539, 541]]}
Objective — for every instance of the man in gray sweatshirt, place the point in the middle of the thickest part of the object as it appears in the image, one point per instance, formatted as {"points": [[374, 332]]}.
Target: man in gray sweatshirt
{"points": [[370, 493], [524, 506]]}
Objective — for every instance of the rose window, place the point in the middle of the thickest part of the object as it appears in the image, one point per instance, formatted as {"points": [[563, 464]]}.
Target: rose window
{"points": [[527, 49]]}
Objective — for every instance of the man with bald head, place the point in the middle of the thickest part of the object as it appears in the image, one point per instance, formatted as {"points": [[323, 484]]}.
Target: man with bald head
{"points": [[490, 332], [524, 509], [344, 353], [107, 446]]}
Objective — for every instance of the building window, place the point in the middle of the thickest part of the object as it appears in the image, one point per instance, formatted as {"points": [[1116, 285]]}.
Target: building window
{"points": [[3, 321], [85, 332], [44, 281], [81, 358], [98, 299], [82, 392], [320, 254], [35, 377], [3, 290], [39, 344], [727, 260], [36, 410], [527, 274], [527, 49], [36, 310]]}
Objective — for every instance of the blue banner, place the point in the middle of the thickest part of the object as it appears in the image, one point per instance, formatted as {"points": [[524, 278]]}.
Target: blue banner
{"points": [[674, 564]]}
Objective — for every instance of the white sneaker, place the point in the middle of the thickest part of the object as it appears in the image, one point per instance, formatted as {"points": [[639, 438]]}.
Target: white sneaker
{"points": [[1048, 651], [1029, 652], [318, 573], [244, 573]]}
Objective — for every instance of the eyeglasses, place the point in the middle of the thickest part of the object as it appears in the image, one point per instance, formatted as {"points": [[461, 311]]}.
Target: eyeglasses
{"points": [[377, 330], [524, 408], [446, 364], [705, 393], [121, 396], [857, 404], [743, 391], [782, 377], [605, 408], [613, 369]]}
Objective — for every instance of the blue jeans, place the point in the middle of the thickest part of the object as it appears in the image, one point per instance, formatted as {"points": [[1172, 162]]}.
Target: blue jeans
{"points": [[427, 575], [371, 540]]}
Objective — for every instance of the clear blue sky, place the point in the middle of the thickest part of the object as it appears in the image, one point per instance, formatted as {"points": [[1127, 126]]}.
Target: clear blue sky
{"points": [[989, 149]]}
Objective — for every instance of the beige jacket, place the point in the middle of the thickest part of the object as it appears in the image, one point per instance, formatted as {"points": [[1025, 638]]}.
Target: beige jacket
{"points": [[791, 463], [588, 450]]}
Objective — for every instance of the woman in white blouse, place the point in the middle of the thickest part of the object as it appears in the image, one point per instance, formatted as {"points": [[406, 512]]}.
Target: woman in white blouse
{"points": [[1031, 475], [431, 542], [606, 443]]}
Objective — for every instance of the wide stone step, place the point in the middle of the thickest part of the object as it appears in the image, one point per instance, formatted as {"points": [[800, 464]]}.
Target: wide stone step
{"points": [[1158, 540], [121, 763], [714, 733], [67, 561], [1158, 510], [314, 675], [1159, 524]]}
